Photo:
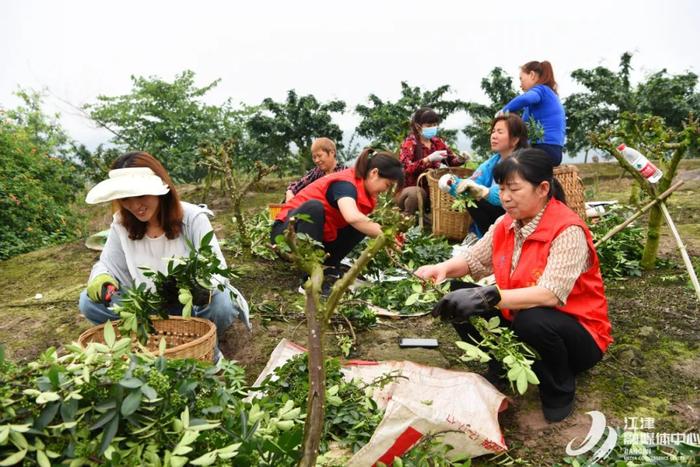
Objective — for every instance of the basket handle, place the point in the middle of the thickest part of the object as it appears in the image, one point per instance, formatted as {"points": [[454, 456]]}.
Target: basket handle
{"points": [[420, 200]]}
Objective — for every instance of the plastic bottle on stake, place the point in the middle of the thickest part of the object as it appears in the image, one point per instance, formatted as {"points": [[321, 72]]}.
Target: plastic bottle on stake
{"points": [[641, 163]]}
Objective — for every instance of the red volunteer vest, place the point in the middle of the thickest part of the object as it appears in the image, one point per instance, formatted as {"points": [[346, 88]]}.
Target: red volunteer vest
{"points": [[317, 190], [586, 302]]}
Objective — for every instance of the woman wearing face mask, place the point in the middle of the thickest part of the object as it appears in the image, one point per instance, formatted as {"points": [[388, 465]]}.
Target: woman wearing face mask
{"points": [[323, 154], [421, 151], [508, 134], [541, 104], [549, 289], [337, 205], [150, 227]]}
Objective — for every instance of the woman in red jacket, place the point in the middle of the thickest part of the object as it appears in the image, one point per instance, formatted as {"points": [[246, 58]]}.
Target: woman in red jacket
{"points": [[337, 205], [421, 151], [548, 283]]}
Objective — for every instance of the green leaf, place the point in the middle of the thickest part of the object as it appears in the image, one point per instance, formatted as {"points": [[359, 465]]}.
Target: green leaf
{"points": [[69, 409], [130, 383], [185, 418], [514, 372], [131, 402], [413, 298], [149, 392], [493, 322], [178, 461], [47, 415], [206, 459], [521, 383], [531, 376], [108, 434], [14, 458], [42, 459], [162, 345], [509, 360], [109, 335], [103, 420], [46, 397], [19, 440]]}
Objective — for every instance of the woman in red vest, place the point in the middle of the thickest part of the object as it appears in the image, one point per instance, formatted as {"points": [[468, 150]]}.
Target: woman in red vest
{"points": [[549, 289], [338, 204]]}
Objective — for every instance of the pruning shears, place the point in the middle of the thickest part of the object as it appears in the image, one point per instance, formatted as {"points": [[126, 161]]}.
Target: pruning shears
{"points": [[108, 291]]}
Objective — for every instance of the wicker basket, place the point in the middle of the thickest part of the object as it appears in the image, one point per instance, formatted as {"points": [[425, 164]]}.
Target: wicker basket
{"points": [[446, 221], [567, 175], [274, 209], [185, 337]]}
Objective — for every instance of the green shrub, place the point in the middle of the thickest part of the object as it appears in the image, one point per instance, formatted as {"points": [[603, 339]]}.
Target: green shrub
{"points": [[36, 192], [621, 254]]}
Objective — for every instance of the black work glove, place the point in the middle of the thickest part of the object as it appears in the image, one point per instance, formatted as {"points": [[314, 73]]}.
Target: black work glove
{"points": [[170, 292], [201, 296], [459, 305]]}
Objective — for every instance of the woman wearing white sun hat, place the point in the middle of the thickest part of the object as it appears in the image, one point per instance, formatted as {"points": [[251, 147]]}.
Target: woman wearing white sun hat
{"points": [[150, 226]]}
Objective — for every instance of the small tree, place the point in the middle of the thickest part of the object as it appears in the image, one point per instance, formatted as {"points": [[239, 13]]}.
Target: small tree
{"points": [[388, 123], [236, 182], [652, 137], [309, 257], [610, 93], [168, 119], [278, 126], [498, 87]]}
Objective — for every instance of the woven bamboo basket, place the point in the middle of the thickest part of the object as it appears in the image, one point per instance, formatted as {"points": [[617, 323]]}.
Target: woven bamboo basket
{"points": [[274, 209], [185, 337], [567, 175], [446, 221]]}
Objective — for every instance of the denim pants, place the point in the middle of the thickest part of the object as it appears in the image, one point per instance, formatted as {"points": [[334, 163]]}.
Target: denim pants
{"points": [[220, 310]]}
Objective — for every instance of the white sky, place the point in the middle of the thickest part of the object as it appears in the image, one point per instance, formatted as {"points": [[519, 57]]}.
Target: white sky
{"points": [[80, 49]]}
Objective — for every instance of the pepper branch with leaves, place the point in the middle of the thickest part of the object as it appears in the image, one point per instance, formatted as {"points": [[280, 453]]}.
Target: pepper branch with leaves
{"points": [[308, 256], [189, 281]]}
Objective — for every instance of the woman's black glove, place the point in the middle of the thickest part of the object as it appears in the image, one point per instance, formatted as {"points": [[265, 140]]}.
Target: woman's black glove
{"points": [[459, 305], [201, 296], [170, 292]]}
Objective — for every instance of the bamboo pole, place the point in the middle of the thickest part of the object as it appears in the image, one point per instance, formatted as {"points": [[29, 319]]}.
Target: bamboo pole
{"points": [[681, 247], [634, 216]]}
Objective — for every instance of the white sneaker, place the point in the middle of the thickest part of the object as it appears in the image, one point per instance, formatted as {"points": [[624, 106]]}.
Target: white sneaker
{"points": [[218, 358]]}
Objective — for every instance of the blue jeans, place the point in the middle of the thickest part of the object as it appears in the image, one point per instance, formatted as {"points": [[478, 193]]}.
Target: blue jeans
{"points": [[220, 311]]}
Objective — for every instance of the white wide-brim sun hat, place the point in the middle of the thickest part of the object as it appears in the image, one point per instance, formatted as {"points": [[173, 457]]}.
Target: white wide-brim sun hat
{"points": [[125, 183]]}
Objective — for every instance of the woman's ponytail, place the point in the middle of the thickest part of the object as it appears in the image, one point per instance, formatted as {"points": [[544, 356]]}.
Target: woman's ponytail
{"points": [[544, 71], [386, 163]]}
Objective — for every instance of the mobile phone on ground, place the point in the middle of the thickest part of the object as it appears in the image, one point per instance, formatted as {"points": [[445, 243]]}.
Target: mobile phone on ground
{"points": [[406, 342]]}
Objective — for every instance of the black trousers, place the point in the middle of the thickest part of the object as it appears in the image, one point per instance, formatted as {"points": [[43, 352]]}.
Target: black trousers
{"points": [[348, 237], [564, 346], [485, 214]]}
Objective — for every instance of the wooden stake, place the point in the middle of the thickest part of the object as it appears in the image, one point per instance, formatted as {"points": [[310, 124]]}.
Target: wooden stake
{"points": [[681, 247], [634, 216]]}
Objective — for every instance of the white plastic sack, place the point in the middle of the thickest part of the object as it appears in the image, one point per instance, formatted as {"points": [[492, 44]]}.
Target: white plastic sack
{"points": [[423, 401]]}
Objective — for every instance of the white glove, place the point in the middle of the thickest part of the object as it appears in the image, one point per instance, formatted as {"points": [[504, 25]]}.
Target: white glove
{"points": [[437, 156], [473, 188]]}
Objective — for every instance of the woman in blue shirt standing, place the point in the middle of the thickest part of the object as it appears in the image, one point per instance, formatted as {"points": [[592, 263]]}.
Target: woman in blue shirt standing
{"points": [[508, 134], [541, 104]]}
